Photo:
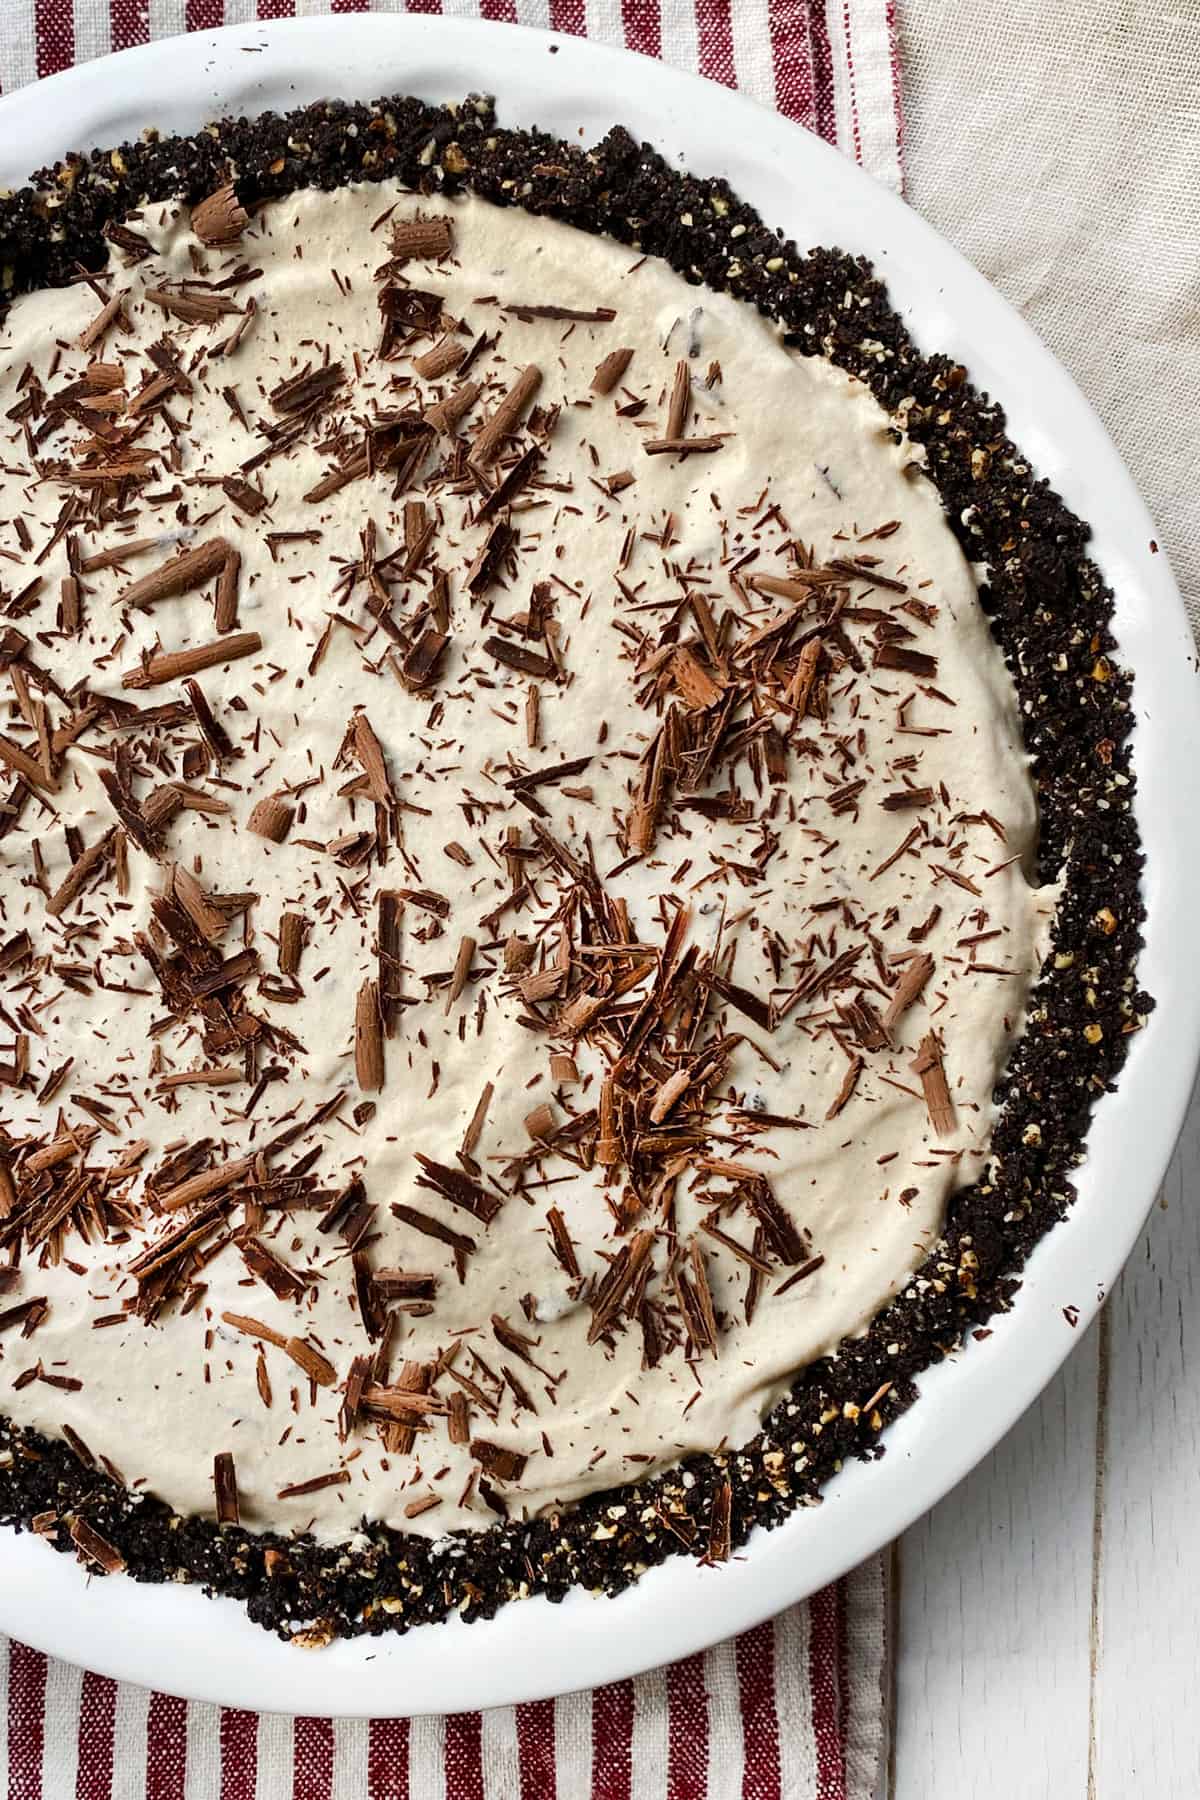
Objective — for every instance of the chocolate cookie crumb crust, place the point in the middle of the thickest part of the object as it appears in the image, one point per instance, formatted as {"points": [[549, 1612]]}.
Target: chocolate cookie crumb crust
{"points": [[1050, 612]]}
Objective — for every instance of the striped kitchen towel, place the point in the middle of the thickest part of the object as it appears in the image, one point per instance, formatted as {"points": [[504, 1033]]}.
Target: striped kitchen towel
{"points": [[830, 64], [790, 1711], [793, 1710]]}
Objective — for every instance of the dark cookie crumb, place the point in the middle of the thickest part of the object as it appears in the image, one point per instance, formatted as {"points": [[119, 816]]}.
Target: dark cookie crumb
{"points": [[1051, 614]]}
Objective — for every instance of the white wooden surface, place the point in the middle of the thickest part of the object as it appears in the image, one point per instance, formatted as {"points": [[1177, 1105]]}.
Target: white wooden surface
{"points": [[1047, 1613]]}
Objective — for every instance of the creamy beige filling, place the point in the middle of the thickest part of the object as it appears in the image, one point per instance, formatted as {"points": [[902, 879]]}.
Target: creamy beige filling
{"points": [[792, 873]]}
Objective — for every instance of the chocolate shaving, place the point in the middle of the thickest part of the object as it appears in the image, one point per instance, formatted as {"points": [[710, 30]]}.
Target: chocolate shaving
{"points": [[109, 314], [143, 833], [70, 611], [427, 900], [369, 752], [214, 734], [749, 1257], [461, 971], [490, 438], [283, 1282], [781, 1235], [86, 864], [194, 308], [203, 1186], [741, 999], [390, 982], [221, 218], [293, 927], [625, 1275], [296, 1490], [308, 390], [515, 478], [407, 312], [226, 1488], [516, 656], [695, 684], [862, 569], [677, 446], [356, 1383], [23, 1312], [911, 662], [500, 1463], [800, 688], [905, 845], [849, 1082], [446, 415], [398, 1403], [459, 1421], [677, 410], [596, 315], [694, 1300], [317, 1367], [423, 659], [245, 496], [254, 1329], [610, 371], [561, 1243], [400, 1284], [368, 1038], [863, 1020], [915, 974], [94, 1548], [170, 665], [719, 1522], [956, 876], [225, 611], [400, 1434], [22, 763], [443, 359], [271, 818], [429, 237], [431, 1227], [906, 798], [457, 1187], [487, 560], [928, 1065], [806, 1269]]}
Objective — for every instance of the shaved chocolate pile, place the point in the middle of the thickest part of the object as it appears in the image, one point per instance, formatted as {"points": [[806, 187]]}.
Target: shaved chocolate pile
{"points": [[1050, 612]]}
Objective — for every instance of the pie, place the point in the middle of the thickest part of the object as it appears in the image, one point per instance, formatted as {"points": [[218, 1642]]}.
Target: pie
{"points": [[569, 878]]}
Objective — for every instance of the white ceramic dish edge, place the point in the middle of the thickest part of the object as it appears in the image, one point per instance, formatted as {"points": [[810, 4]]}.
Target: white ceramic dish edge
{"points": [[175, 1639]]}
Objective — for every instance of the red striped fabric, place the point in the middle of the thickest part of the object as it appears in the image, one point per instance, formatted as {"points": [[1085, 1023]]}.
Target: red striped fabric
{"points": [[687, 1729], [612, 1741], [166, 1748], [313, 1755], [535, 1742], [755, 1660], [387, 1759], [771, 1716], [97, 1709], [829, 64], [239, 1753]]}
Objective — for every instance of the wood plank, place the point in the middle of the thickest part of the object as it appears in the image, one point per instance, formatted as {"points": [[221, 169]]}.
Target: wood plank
{"points": [[1146, 1739], [993, 1610]]}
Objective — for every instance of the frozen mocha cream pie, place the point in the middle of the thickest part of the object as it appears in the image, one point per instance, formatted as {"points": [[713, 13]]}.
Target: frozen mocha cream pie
{"points": [[520, 873]]}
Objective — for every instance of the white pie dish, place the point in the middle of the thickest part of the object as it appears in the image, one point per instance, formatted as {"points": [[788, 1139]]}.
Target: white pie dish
{"points": [[175, 1639]]}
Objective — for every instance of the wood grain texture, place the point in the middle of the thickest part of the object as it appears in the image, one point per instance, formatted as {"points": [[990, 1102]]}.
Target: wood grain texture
{"points": [[1046, 1614], [992, 1681], [1147, 1730]]}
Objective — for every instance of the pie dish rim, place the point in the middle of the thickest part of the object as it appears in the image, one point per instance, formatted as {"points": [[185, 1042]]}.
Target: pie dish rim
{"points": [[140, 1633]]}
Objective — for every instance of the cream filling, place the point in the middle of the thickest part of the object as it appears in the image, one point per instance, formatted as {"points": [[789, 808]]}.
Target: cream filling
{"points": [[810, 457]]}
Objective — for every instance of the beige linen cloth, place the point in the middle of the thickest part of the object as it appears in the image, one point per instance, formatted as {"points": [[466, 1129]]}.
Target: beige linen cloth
{"points": [[1057, 144]]}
